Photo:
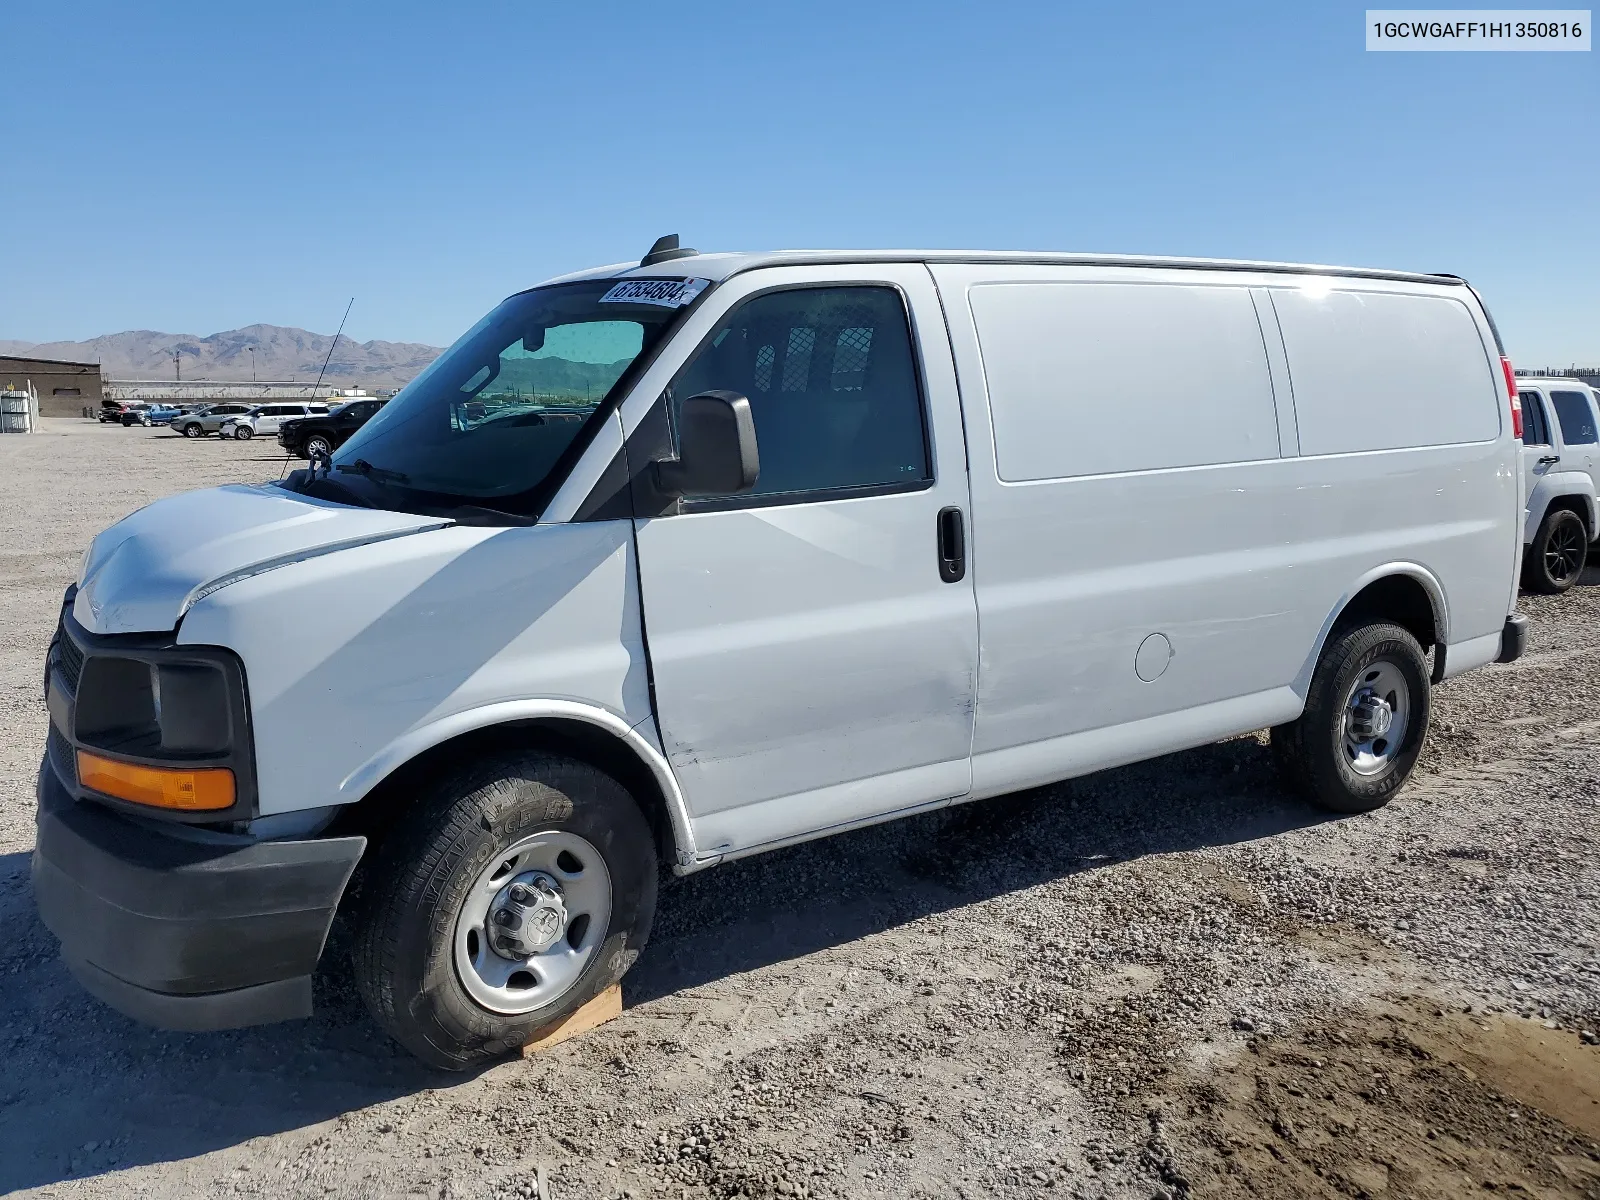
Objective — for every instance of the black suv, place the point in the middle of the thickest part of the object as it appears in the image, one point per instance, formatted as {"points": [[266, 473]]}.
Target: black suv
{"points": [[322, 435]]}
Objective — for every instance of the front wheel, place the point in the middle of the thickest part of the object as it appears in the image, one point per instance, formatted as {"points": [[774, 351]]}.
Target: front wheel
{"points": [[1556, 559], [244, 433], [514, 894], [318, 446], [1365, 719], [193, 430]]}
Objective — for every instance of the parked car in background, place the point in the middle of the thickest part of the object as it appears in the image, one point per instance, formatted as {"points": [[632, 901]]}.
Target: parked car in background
{"points": [[210, 418], [1561, 465], [132, 414], [150, 414], [266, 419], [111, 411], [320, 436]]}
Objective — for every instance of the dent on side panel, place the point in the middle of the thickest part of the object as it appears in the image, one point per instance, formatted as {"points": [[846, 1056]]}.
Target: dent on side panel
{"points": [[350, 653]]}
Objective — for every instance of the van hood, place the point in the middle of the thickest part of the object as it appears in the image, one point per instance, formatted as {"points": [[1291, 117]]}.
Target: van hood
{"points": [[143, 574]]}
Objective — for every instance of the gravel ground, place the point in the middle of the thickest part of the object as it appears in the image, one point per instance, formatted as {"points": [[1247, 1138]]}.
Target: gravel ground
{"points": [[1171, 979]]}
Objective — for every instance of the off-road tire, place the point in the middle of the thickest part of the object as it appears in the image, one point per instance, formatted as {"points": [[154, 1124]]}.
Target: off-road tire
{"points": [[1311, 750], [1560, 524], [404, 935]]}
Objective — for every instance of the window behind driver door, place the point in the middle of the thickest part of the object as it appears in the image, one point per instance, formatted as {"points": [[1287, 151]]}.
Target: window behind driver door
{"points": [[1535, 430], [833, 389]]}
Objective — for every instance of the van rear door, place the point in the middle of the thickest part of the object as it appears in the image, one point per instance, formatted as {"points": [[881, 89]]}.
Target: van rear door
{"points": [[813, 644]]}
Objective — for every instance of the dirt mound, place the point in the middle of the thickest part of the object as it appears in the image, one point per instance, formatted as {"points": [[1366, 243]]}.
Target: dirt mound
{"points": [[1401, 1099]]}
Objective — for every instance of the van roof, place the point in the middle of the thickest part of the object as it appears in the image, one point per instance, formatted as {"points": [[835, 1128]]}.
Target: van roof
{"points": [[723, 265]]}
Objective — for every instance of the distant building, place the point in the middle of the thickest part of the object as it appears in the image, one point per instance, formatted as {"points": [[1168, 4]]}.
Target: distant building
{"points": [[208, 391], [1589, 375], [65, 388], [211, 391]]}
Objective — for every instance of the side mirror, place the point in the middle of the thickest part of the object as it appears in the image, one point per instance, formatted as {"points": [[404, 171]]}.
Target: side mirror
{"points": [[717, 453]]}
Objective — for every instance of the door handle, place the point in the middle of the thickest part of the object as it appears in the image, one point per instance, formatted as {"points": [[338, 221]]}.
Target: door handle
{"points": [[1549, 460], [952, 545]]}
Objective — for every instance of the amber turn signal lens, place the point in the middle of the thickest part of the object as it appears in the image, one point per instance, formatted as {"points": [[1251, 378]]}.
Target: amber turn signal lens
{"points": [[160, 787]]}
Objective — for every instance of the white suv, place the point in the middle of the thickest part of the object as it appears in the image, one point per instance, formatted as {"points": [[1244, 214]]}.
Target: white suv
{"points": [[1561, 462], [266, 419]]}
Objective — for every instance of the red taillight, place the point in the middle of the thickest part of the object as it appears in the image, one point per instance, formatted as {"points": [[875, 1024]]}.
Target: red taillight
{"points": [[1516, 401]]}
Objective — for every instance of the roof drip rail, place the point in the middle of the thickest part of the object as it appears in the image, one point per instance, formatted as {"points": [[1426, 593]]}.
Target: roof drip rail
{"points": [[664, 250]]}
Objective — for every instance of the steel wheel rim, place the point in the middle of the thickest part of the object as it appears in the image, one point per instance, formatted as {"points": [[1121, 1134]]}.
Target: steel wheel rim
{"points": [[1562, 552], [1381, 685], [514, 985]]}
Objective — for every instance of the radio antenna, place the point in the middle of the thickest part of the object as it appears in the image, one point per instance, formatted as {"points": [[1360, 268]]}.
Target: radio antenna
{"points": [[314, 387]]}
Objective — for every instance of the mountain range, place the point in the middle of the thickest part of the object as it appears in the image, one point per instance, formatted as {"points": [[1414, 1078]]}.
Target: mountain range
{"points": [[280, 353]]}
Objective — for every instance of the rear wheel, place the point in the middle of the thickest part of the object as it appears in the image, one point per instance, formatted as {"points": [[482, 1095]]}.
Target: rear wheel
{"points": [[1365, 719], [515, 893], [1556, 559]]}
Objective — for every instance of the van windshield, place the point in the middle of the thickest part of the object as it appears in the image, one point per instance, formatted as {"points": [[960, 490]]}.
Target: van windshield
{"points": [[493, 421]]}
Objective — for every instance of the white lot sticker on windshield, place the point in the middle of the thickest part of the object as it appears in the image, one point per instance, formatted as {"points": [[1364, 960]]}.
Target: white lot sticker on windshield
{"points": [[668, 293]]}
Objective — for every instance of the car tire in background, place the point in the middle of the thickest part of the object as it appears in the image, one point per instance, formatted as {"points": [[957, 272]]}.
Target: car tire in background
{"points": [[243, 432], [1364, 722], [509, 895], [1555, 559], [194, 430], [317, 446]]}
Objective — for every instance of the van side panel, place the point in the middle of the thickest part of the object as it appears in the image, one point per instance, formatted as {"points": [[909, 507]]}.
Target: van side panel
{"points": [[1401, 408], [1152, 518], [1378, 371], [1236, 561], [1064, 407]]}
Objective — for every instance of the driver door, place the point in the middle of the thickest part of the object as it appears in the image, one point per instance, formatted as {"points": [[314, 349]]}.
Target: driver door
{"points": [[814, 643]]}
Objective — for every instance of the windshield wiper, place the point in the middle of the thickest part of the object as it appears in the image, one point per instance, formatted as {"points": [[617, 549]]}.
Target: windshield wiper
{"points": [[378, 474]]}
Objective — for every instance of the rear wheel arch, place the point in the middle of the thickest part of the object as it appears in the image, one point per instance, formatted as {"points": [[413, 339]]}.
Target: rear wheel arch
{"points": [[1409, 599], [1583, 506], [1404, 594]]}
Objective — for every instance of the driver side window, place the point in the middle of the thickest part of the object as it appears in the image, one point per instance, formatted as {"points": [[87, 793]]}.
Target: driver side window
{"points": [[832, 382]]}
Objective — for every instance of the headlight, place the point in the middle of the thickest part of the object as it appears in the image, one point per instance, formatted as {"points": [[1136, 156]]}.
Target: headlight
{"points": [[154, 710], [152, 724]]}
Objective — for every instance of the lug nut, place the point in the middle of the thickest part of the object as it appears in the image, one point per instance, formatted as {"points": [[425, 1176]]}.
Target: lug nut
{"points": [[505, 917], [519, 893]]}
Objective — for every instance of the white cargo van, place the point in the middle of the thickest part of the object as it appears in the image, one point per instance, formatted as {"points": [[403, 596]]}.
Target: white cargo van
{"points": [[696, 557], [1560, 448]]}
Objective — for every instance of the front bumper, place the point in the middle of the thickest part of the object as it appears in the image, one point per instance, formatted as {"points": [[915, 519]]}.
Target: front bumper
{"points": [[184, 928]]}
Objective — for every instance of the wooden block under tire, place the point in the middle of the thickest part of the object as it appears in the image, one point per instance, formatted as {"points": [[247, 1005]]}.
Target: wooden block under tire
{"points": [[604, 1007]]}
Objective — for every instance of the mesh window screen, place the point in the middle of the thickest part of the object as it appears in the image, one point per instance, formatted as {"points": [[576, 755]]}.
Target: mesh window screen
{"points": [[832, 385]]}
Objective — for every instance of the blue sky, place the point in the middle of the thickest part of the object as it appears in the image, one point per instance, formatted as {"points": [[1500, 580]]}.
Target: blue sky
{"points": [[196, 167]]}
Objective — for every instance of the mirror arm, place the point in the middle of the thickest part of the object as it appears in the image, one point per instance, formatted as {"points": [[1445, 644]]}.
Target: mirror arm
{"points": [[669, 476]]}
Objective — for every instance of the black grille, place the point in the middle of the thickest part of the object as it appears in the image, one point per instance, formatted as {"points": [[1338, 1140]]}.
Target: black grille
{"points": [[71, 660], [62, 758]]}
